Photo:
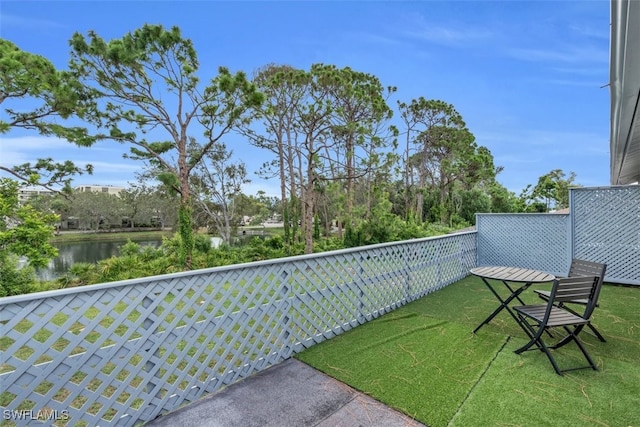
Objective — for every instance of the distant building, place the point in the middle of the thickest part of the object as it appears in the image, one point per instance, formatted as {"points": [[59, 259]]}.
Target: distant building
{"points": [[109, 189], [27, 193]]}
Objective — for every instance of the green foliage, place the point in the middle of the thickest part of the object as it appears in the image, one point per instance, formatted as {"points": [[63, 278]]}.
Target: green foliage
{"points": [[471, 202], [552, 190], [503, 200], [134, 261], [97, 210], [15, 279], [121, 268], [185, 230], [327, 244], [202, 243], [141, 261], [275, 242], [442, 155], [79, 274], [24, 231], [129, 249], [52, 96]]}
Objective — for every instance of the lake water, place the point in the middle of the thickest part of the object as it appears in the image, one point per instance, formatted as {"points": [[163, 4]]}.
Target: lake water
{"points": [[91, 252], [70, 253]]}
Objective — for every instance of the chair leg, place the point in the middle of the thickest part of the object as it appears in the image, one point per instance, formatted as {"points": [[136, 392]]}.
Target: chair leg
{"points": [[592, 364], [533, 335], [536, 338], [576, 331], [568, 338], [546, 351], [596, 333]]}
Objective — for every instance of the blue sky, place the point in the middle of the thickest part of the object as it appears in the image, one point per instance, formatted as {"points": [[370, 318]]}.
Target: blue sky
{"points": [[526, 76]]}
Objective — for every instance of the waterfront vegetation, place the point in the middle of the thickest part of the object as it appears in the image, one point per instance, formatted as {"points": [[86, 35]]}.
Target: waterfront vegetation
{"points": [[137, 260]]}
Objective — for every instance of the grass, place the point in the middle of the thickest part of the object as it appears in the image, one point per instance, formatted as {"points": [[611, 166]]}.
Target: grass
{"points": [[424, 360], [78, 236]]}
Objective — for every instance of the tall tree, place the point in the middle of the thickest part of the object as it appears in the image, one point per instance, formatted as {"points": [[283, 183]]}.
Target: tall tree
{"points": [[361, 110], [152, 100], [36, 97], [216, 182], [313, 123], [325, 124], [419, 116], [446, 153], [552, 189], [284, 88]]}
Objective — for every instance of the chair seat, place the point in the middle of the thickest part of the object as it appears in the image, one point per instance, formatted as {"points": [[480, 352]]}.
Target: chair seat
{"points": [[557, 317]]}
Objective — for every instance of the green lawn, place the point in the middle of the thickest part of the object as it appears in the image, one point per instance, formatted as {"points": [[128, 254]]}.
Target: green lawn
{"points": [[424, 360], [77, 236]]}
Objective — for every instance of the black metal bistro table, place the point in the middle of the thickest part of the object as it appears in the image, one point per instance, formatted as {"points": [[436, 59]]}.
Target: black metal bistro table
{"points": [[516, 279]]}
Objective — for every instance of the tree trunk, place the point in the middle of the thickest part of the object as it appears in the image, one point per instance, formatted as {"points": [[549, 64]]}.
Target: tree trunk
{"points": [[185, 215]]}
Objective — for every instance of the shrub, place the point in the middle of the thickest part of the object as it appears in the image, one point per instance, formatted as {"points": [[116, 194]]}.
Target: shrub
{"points": [[15, 279]]}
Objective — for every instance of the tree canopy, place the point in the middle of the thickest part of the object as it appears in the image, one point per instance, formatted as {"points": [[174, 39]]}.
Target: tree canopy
{"points": [[150, 98], [35, 96]]}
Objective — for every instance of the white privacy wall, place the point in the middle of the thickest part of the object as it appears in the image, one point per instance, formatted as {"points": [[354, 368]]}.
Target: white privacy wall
{"points": [[606, 228], [537, 241], [603, 225]]}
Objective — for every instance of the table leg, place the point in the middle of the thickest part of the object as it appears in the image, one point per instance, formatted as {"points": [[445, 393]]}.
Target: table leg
{"points": [[504, 304], [516, 292]]}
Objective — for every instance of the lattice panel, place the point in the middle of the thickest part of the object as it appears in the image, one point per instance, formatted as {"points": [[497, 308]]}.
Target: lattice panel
{"points": [[607, 229], [126, 352], [537, 241]]}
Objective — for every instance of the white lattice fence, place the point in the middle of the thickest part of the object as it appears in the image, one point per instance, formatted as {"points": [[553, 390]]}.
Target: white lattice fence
{"points": [[537, 241], [606, 222], [603, 226], [125, 352]]}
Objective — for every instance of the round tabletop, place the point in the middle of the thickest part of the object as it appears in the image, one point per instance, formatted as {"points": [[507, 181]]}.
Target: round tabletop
{"points": [[512, 274]]}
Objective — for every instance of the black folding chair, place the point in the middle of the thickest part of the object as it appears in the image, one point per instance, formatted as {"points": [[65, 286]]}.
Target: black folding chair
{"points": [[538, 318], [582, 268]]}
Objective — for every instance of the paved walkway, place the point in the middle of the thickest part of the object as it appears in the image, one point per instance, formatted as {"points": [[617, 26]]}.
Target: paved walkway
{"points": [[288, 394]]}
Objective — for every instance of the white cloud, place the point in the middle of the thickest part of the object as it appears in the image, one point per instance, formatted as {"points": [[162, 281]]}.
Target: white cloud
{"points": [[450, 35], [19, 150], [562, 54], [462, 34], [589, 31], [23, 22], [32, 143]]}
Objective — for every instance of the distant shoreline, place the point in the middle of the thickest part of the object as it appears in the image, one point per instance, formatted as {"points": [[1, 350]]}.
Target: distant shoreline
{"points": [[84, 235]]}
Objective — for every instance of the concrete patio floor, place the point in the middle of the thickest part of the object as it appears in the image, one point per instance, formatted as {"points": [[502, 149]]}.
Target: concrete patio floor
{"points": [[288, 394]]}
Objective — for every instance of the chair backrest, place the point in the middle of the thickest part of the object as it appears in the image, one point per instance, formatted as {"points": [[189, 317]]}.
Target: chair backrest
{"points": [[581, 267], [573, 288]]}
